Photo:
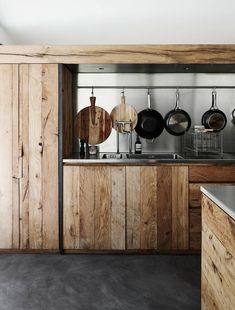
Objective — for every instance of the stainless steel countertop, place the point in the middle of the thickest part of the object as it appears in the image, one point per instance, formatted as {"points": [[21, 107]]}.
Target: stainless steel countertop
{"points": [[187, 158]]}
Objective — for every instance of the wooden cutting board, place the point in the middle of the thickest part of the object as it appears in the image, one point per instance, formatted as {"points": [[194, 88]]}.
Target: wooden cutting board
{"points": [[123, 112], [93, 124]]}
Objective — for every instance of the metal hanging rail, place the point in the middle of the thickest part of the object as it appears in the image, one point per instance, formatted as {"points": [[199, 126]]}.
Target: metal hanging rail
{"points": [[155, 87]]}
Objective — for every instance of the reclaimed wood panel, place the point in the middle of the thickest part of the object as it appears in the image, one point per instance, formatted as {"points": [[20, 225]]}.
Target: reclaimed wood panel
{"points": [[67, 110], [9, 164], [164, 207], [218, 268], [212, 174], [94, 208], [180, 225], [157, 54], [39, 160], [220, 223], [141, 202]]}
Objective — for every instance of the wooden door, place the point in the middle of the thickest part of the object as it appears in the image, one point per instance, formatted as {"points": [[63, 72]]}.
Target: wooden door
{"points": [[94, 207], [9, 154], [28, 156], [157, 207], [38, 126]]}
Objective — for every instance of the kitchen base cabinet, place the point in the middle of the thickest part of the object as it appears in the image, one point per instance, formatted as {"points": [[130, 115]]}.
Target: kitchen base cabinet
{"points": [[157, 207], [125, 208], [201, 175], [218, 257], [94, 207], [29, 157]]}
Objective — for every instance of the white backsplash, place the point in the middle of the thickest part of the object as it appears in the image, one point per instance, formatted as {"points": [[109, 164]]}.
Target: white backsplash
{"points": [[194, 101]]}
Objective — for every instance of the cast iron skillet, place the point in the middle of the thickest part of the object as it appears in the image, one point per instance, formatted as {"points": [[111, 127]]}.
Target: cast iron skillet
{"points": [[177, 121], [214, 118], [150, 122]]}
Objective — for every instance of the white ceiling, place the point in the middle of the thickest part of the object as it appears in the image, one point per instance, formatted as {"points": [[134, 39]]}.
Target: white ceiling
{"points": [[117, 21]]}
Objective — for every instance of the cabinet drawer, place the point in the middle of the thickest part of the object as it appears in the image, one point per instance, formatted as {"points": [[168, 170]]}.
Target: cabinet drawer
{"points": [[213, 174]]}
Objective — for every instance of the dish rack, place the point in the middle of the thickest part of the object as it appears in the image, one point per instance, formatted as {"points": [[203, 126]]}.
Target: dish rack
{"points": [[204, 142]]}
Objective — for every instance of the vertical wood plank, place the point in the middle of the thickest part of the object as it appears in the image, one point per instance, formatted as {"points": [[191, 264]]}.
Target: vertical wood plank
{"points": [[133, 205], [102, 212], [180, 226], [148, 208], [71, 207], [35, 158], [164, 207], [118, 206], [24, 159], [8, 161], [15, 159], [87, 207], [49, 121]]}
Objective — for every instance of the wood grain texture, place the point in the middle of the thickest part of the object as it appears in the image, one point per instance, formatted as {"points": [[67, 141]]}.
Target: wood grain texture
{"points": [[218, 260], [124, 112], [93, 124], [67, 110], [39, 160], [180, 237], [158, 54], [9, 164], [94, 208], [141, 202], [164, 207], [211, 173], [220, 223]]}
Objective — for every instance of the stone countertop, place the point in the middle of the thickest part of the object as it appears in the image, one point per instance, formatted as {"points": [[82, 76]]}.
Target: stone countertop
{"points": [[223, 196]]}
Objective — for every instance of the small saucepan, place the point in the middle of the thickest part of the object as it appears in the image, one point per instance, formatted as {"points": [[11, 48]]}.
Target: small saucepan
{"points": [[177, 121], [150, 122], [214, 118]]}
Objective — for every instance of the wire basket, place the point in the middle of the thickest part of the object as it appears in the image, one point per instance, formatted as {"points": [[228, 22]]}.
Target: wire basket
{"points": [[204, 142]]}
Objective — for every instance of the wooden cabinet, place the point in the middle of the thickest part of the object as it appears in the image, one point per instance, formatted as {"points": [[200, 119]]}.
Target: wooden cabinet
{"points": [[198, 175], [157, 207], [94, 207], [132, 207], [218, 257], [29, 156]]}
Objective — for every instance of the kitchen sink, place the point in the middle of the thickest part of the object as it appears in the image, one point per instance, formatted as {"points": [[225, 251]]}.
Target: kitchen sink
{"points": [[111, 156], [154, 156]]}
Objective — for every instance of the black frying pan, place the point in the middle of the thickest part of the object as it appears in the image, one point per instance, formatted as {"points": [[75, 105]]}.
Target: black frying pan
{"points": [[150, 122], [177, 121], [214, 118]]}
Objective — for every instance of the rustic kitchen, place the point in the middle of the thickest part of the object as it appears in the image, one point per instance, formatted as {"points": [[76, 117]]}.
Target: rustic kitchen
{"points": [[121, 149]]}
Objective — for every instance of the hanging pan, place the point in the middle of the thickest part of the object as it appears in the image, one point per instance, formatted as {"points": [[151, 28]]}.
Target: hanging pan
{"points": [[214, 118], [93, 124], [150, 122], [177, 121]]}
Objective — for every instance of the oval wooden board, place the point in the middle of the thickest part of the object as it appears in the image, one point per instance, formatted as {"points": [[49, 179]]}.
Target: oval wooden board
{"points": [[96, 129], [124, 112]]}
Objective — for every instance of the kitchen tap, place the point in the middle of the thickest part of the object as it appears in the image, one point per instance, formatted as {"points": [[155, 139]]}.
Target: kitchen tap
{"points": [[121, 128]]}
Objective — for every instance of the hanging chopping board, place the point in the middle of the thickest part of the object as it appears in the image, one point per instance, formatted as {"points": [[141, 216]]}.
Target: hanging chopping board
{"points": [[93, 124], [124, 113]]}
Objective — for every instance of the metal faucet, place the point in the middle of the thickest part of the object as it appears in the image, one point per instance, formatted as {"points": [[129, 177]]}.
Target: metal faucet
{"points": [[121, 129]]}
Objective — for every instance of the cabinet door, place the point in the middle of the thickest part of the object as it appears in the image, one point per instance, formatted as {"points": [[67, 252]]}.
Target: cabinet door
{"points": [[157, 207], [94, 207], [38, 126], [9, 154]]}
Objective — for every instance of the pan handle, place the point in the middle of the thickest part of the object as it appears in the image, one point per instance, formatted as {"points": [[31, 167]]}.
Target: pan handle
{"points": [[149, 100], [177, 103], [214, 104]]}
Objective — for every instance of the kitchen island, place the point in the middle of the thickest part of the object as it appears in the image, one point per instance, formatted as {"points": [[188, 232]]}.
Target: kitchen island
{"points": [[218, 247]]}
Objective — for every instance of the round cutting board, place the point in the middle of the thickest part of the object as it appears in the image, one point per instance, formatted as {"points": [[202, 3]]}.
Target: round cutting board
{"points": [[93, 124], [124, 112]]}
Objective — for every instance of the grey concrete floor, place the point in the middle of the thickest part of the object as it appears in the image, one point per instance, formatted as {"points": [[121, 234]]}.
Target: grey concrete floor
{"points": [[99, 282]]}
